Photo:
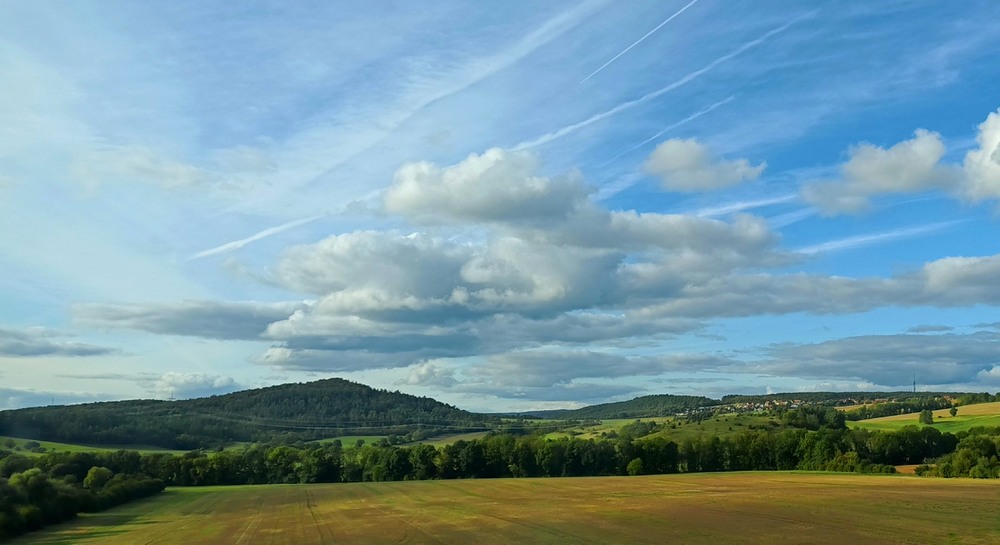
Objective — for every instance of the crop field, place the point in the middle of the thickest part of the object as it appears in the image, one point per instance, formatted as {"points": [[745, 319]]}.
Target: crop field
{"points": [[969, 416], [732, 508]]}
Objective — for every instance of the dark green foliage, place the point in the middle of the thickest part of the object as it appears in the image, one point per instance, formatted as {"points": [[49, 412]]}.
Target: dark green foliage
{"points": [[977, 455], [640, 407], [40, 496], [814, 417], [285, 413], [900, 406], [834, 398], [926, 416]]}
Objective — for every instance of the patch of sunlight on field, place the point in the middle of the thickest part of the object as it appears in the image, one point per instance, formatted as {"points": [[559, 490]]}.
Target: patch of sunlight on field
{"points": [[50, 446], [969, 416], [731, 508]]}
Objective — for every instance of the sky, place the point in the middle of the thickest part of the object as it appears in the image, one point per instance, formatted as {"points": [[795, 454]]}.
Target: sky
{"points": [[504, 205]]}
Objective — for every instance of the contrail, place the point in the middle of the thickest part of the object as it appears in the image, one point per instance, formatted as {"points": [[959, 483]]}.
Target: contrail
{"points": [[637, 42], [237, 244], [740, 206], [671, 127], [874, 238], [544, 139]]}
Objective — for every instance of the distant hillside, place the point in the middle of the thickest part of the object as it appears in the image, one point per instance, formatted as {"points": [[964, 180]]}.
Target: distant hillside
{"points": [[833, 398], [640, 407], [288, 412]]}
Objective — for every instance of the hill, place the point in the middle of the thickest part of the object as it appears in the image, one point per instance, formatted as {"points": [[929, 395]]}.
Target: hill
{"points": [[289, 412], [640, 407], [969, 416]]}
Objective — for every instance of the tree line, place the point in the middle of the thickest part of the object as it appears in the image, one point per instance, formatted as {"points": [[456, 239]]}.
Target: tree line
{"points": [[40, 493], [504, 455]]}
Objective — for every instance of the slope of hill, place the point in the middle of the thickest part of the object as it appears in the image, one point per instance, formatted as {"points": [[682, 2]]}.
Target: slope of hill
{"points": [[287, 412], [640, 407], [968, 417]]}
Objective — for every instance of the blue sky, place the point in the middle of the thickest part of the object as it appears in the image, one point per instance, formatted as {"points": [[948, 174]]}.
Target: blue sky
{"points": [[503, 205]]}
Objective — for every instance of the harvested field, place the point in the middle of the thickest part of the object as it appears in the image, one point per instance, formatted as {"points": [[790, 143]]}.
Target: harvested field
{"points": [[732, 508]]}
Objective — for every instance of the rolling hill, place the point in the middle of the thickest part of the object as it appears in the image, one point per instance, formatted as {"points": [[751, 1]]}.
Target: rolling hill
{"points": [[289, 412]]}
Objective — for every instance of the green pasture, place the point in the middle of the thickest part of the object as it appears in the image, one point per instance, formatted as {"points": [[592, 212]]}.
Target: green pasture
{"points": [[706, 508], [969, 416], [49, 446]]}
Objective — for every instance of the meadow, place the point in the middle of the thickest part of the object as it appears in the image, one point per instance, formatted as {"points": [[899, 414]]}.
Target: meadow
{"points": [[23, 446], [733, 508], [969, 416]]}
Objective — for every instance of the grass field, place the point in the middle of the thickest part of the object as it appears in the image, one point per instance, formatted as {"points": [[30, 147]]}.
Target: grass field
{"points": [[969, 416], [50, 446], [731, 508]]}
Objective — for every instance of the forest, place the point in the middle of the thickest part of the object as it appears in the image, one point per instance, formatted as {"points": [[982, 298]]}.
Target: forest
{"points": [[289, 412]]}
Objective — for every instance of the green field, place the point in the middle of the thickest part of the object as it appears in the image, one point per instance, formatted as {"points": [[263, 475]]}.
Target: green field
{"points": [[50, 446], [731, 508], [969, 416]]}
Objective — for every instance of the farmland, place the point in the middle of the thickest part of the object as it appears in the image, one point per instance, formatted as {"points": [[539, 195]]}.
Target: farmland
{"points": [[969, 416], [743, 508]]}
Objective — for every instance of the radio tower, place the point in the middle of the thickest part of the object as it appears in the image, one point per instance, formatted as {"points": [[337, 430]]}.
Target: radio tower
{"points": [[914, 383]]}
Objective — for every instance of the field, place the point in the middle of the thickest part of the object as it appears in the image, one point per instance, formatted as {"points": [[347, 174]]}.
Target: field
{"points": [[969, 416], [49, 446], [732, 508]]}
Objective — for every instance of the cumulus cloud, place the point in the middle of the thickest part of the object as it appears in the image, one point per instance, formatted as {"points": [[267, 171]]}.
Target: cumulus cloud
{"points": [[430, 374], [208, 319], [36, 342], [982, 165], [907, 167], [688, 166], [191, 385], [912, 166], [497, 186]]}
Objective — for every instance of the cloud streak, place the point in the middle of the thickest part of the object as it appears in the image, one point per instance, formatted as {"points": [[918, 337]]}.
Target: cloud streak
{"points": [[555, 135], [640, 40], [849, 243], [237, 244]]}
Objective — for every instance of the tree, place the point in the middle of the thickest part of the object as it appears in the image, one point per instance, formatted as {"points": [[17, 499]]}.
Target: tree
{"points": [[97, 477], [926, 416], [953, 411], [635, 467]]}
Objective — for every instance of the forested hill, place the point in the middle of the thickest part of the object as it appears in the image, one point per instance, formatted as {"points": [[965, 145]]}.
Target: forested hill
{"points": [[640, 407], [288, 412]]}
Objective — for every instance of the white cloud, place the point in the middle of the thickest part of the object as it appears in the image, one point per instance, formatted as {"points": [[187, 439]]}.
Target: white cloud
{"points": [[907, 167], [912, 166], [497, 186], [430, 374], [688, 166], [191, 385], [982, 165]]}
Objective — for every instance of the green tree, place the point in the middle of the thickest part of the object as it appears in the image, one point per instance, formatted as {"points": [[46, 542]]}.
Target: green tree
{"points": [[635, 467], [97, 477], [953, 411], [927, 416]]}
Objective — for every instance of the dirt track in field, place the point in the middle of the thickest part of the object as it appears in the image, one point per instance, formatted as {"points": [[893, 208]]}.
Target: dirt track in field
{"points": [[732, 508]]}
